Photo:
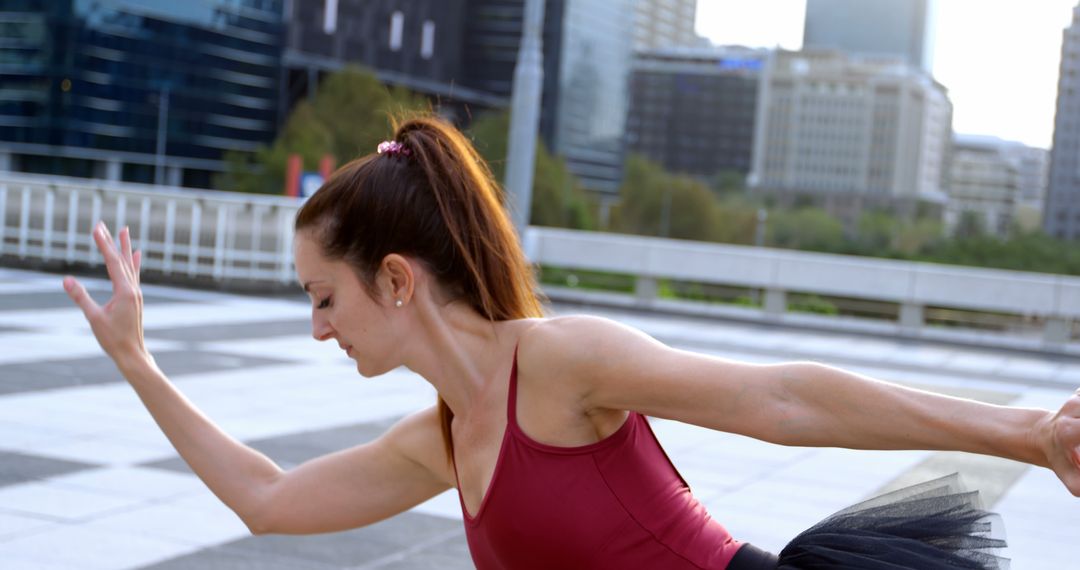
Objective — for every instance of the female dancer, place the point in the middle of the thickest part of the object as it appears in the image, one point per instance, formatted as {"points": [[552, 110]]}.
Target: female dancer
{"points": [[410, 260]]}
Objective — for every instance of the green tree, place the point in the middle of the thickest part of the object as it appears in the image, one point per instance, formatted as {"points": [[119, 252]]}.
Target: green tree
{"points": [[727, 182], [641, 201], [558, 200], [969, 226], [348, 117], [650, 196], [806, 228]]}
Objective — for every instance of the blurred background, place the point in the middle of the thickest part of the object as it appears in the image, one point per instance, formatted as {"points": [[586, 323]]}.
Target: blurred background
{"points": [[891, 186], [904, 129]]}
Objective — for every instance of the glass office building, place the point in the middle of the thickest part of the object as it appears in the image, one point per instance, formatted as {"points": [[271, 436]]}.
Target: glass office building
{"points": [[114, 88], [594, 71], [693, 109]]}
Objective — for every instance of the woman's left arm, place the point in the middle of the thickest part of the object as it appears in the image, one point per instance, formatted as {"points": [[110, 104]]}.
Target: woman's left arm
{"points": [[803, 403]]}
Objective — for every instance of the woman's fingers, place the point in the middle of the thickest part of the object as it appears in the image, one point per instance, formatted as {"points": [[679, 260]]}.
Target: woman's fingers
{"points": [[117, 272], [125, 249], [136, 258], [78, 293]]}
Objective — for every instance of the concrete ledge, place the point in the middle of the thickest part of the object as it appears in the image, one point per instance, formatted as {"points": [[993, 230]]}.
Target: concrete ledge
{"points": [[880, 328]]}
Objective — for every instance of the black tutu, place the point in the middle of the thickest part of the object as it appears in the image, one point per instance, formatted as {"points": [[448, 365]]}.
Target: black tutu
{"points": [[935, 525]]}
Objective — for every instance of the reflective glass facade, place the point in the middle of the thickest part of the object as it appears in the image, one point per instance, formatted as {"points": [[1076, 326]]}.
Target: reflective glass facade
{"points": [[693, 110], [87, 82], [489, 53], [596, 55]]}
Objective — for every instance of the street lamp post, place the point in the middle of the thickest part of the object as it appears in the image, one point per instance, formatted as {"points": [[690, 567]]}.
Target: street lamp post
{"points": [[525, 114], [665, 213], [759, 233]]}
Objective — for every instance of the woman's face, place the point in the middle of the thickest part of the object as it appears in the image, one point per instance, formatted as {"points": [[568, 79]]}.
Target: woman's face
{"points": [[342, 310]]}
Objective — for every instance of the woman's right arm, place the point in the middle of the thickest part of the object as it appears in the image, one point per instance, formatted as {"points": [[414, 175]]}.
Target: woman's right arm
{"points": [[342, 490]]}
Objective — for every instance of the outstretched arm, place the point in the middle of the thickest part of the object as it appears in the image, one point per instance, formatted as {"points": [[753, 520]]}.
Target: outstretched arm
{"points": [[800, 403], [342, 490]]}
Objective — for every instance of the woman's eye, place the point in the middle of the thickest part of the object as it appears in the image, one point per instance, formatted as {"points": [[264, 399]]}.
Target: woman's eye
{"points": [[324, 303]]}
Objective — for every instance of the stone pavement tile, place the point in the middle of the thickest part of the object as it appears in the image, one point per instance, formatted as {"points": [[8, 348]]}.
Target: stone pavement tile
{"points": [[66, 373], [44, 344], [58, 299], [24, 564], [89, 549], [353, 548], [174, 523], [1034, 368], [918, 354], [293, 449], [990, 476], [21, 467], [827, 347], [225, 558], [232, 331], [231, 309], [13, 525], [983, 363], [58, 503], [137, 482], [861, 471], [106, 451], [297, 348], [449, 554], [1070, 375]]}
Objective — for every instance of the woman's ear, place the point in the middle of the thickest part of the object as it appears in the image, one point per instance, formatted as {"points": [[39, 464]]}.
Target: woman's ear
{"points": [[397, 280]]}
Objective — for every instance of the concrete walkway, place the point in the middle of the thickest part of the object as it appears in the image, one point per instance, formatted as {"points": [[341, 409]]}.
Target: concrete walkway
{"points": [[88, 481]]}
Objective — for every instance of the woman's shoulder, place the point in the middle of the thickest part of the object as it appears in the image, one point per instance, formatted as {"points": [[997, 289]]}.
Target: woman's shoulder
{"points": [[575, 347]]}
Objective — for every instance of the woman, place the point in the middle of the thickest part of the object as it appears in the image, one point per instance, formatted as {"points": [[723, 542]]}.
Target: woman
{"points": [[410, 260]]}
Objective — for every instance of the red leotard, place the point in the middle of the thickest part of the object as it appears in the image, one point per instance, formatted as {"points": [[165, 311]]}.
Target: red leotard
{"points": [[616, 503]]}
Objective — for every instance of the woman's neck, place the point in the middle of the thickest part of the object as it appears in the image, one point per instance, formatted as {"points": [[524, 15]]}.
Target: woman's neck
{"points": [[459, 352]]}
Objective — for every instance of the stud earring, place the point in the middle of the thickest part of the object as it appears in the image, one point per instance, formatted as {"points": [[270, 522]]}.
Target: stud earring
{"points": [[398, 303]]}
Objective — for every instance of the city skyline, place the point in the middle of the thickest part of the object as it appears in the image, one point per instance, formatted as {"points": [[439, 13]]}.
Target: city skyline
{"points": [[984, 69]]}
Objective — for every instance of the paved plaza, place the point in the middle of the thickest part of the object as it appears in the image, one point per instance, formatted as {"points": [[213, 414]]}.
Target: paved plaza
{"points": [[87, 481]]}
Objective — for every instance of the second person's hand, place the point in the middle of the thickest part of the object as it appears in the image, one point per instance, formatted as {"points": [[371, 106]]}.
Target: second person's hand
{"points": [[117, 324]]}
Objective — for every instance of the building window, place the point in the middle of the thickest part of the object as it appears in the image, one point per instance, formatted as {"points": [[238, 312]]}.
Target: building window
{"points": [[397, 28], [329, 23], [427, 40]]}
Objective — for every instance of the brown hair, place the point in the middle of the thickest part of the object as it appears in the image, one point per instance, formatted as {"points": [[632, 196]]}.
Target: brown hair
{"points": [[439, 204]]}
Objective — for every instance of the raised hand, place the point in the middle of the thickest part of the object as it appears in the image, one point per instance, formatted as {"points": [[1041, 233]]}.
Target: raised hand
{"points": [[1060, 439], [117, 324]]}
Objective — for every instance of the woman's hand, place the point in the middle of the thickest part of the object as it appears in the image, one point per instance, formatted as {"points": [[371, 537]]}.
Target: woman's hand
{"points": [[1059, 438], [117, 324]]}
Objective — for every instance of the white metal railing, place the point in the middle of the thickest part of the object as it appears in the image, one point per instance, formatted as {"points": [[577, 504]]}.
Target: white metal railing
{"points": [[224, 236], [221, 236]]}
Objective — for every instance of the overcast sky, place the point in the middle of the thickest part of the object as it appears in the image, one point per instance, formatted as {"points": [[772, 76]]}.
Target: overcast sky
{"points": [[998, 58]]}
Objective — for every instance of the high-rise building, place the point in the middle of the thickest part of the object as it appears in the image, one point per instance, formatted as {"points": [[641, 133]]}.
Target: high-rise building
{"points": [[664, 24], [114, 88], [491, 40], [417, 44], [693, 109], [881, 28], [588, 49], [850, 130], [1061, 216], [594, 69], [984, 182]]}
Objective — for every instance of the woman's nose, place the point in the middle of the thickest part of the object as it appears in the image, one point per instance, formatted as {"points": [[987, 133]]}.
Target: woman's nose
{"points": [[320, 329]]}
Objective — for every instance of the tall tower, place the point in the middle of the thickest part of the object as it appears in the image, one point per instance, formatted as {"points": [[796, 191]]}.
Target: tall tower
{"points": [[664, 23], [890, 28], [1061, 216]]}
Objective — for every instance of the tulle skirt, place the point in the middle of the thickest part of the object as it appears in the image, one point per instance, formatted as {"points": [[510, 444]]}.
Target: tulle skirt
{"points": [[936, 525]]}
